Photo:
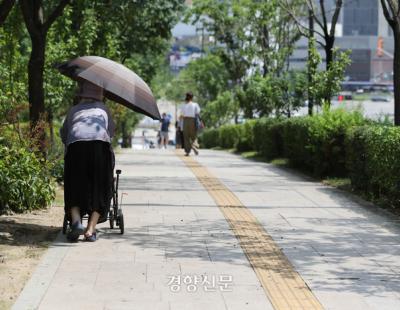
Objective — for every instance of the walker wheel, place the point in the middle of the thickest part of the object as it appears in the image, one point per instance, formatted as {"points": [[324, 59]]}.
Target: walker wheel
{"points": [[111, 219], [121, 223]]}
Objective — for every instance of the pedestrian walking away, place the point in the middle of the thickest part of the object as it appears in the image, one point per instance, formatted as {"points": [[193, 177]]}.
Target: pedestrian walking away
{"points": [[165, 122], [89, 161], [190, 111]]}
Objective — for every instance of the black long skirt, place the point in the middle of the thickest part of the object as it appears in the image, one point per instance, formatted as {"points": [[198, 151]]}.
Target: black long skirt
{"points": [[88, 177]]}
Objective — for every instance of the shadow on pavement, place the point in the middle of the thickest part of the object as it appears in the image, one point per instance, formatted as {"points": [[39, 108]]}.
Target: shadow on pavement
{"points": [[332, 254], [26, 234]]}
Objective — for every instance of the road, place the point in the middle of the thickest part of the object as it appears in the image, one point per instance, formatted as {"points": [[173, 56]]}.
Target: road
{"points": [[370, 109]]}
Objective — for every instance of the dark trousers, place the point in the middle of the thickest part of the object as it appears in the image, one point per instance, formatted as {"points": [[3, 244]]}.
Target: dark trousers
{"points": [[189, 134]]}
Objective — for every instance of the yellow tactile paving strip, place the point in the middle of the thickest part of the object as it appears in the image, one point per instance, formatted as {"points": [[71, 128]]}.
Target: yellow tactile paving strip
{"points": [[282, 284]]}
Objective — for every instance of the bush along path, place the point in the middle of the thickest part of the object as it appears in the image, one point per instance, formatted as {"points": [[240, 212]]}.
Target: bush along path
{"points": [[27, 223], [335, 143], [25, 180]]}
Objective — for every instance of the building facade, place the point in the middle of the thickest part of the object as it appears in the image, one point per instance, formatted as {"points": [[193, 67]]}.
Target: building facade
{"points": [[363, 29]]}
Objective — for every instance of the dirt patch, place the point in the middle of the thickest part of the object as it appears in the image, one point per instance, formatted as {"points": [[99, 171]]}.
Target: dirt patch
{"points": [[24, 238]]}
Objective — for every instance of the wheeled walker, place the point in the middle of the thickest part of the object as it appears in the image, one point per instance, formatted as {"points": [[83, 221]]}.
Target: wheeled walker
{"points": [[115, 215]]}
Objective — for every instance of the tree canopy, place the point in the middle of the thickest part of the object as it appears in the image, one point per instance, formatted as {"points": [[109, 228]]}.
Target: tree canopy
{"points": [[36, 35]]}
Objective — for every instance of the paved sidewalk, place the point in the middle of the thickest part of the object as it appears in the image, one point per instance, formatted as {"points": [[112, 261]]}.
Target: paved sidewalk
{"points": [[349, 255]]}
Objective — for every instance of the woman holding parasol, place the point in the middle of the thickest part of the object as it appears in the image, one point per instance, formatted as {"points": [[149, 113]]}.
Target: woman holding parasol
{"points": [[87, 132], [88, 171]]}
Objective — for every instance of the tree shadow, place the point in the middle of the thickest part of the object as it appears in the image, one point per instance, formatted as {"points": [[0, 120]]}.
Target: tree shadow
{"points": [[26, 234], [330, 253], [355, 248]]}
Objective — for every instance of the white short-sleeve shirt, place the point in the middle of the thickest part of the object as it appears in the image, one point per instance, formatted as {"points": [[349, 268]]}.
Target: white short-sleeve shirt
{"points": [[190, 109]]}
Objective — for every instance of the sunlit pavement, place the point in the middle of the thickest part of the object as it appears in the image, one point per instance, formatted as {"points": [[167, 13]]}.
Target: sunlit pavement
{"points": [[179, 251]]}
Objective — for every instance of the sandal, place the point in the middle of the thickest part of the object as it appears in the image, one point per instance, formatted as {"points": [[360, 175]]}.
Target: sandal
{"points": [[91, 238], [76, 230]]}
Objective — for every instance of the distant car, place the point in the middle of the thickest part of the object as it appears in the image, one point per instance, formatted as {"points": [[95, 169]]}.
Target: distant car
{"points": [[345, 95], [380, 99]]}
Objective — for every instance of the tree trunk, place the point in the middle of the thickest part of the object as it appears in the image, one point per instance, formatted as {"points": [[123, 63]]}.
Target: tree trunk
{"points": [[396, 74], [5, 9], [50, 119], [126, 136], [126, 141], [311, 35], [329, 53], [328, 61], [36, 91], [265, 46], [37, 27]]}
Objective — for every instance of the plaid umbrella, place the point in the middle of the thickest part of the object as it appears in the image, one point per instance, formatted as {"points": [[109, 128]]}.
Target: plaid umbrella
{"points": [[119, 83]]}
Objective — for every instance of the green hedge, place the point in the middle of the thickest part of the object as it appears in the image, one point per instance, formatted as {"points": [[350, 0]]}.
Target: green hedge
{"points": [[265, 140], [246, 137], [355, 144], [228, 136], [297, 142], [317, 143], [334, 143], [314, 144], [373, 162], [273, 146], [209, 138], [25, 182]]}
